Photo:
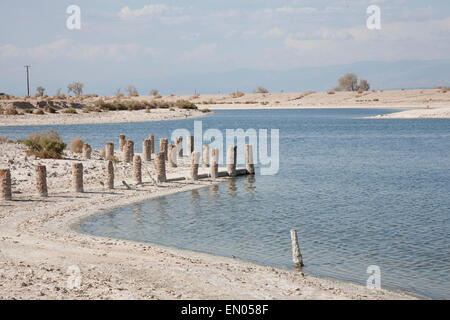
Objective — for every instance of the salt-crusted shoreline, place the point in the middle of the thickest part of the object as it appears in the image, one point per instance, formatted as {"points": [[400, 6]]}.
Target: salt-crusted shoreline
{"points": [[40, 241]]}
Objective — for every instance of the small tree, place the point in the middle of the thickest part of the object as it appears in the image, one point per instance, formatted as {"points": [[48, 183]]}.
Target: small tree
{"points": [[40, 91], [76, 88], [363, 85], [154, 92], [348, 82], [261, 90], [132, 92]]}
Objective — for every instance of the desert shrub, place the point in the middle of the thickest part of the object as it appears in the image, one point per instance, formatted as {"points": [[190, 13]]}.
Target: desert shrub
{"points": [[69, 111], [265, 103], [49, 109], [10, 112], [171, 109], [76, 145], [184, 104], [132, 92], [118, 94], [28, 110], [205, 110], [154, 92], [261, 90], [46, 145], [237, 94], [76, 88], [38, 112]]}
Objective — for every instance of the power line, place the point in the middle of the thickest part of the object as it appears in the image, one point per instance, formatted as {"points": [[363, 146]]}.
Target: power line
{"points": [[28, 80]]}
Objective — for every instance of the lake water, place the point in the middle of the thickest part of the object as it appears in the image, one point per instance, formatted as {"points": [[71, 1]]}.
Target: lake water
{"points": [[359, 192]]}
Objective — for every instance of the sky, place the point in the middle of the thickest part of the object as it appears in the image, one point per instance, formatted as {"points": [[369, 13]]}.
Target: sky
{"points": [[208, 46]]}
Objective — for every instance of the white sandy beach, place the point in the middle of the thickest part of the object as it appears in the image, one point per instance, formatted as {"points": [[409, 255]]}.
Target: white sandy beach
{"points": [[40, 241]]}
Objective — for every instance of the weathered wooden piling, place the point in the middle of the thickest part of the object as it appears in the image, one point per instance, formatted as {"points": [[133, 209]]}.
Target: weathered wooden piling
{"points": [[231, 161], [151, 137], [146, 150], [189, 145], [214, 163], [296, 255], [5, 184], [172, 156], [163, 147], [109, 150], [249, 165], [137, 169], [77, 177], [179, 143], [41, 181], [195, 157], [86, 151], [109, 174], [205, 156], [160, 167], [121, 142], [128, 152]]}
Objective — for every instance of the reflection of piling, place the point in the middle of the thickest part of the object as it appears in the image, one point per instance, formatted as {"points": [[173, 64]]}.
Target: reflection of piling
{"points": [[77, 177], [179, 143], [195, 156], [41, 181], [189, 145], [5, 184], [160, 166], [205, 156], [172, 156], [296, 255], [151, 137], [214, 163], [163, 147], [146, 150], [86, 151], [121, 142], [137, 169], [109, 150], [109, 174], [128, 152], [231, 161], [249, 159]]}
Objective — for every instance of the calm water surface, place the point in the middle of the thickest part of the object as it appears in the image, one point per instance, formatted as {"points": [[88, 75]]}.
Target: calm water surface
{"points": [[360, 192]]}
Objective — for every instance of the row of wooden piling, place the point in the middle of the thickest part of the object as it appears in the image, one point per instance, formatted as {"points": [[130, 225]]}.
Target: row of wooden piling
{"points": [[168, 152]]}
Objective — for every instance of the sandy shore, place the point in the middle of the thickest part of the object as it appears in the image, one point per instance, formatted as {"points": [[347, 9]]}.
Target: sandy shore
{"points": [[428, 113], [40, 243], [430, 103], [95, 117]]}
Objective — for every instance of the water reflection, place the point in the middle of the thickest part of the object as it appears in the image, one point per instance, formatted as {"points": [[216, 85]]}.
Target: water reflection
{"points": [[231, 187]]}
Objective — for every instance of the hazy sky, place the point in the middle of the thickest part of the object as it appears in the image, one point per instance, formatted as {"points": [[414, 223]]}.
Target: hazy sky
{"points": [[141, 42]]}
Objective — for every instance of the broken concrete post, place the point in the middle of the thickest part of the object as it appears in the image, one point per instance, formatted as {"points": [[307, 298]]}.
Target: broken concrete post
{"points": [[128, 152], [214, 163], [5, 184], [121, 142], [250, 166], [296, 255], [151, 137], [163, 146], [109, 151], [77, 177], [41, 180], [146, 150], [137, 169], [179, 143], [195, 159], [86, 151], [231, 161], [189, 145], [109, 174], [160, 167], [172, 156], [205, 156]]}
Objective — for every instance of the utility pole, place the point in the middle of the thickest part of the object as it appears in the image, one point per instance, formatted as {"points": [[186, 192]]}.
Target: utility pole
{"points": [[28, 80]]}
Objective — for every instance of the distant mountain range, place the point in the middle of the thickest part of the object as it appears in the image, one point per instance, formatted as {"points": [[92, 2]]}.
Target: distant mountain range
{"points": [[381, 75]]}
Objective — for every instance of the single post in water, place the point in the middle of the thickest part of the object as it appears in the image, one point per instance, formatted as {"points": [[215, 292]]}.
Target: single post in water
{"points": [[160, 166], [179, 143], [86, 151], [296, 255], [128, 152], [189, 145], [109, 150], [109, 174], [231, 161], [146, 150], [151, 137], [195, 157], [77, 177], [249, 159], [214, 163], [205, 156], [121, 142], [163, 147], [137, 169], [172, 156]]}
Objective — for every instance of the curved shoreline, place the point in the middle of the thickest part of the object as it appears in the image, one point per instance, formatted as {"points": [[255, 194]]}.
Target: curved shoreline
{"points": [[39, 244]]}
